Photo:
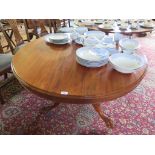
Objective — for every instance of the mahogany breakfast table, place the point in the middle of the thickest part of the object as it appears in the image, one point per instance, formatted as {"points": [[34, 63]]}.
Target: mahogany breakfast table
{"points": [[51, 71], [129, 31]]}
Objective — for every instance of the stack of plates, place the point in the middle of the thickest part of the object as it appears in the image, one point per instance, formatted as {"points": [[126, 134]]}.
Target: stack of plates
{"points": [[58, 38], [80, 30], [99, 21], [147, 25], [126, 63], [92, 57], [106, 26], [133, 25], [87, 22], [123, 27]]}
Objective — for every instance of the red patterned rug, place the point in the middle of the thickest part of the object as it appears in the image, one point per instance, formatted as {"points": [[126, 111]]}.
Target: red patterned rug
{"points": [[132, 114]]}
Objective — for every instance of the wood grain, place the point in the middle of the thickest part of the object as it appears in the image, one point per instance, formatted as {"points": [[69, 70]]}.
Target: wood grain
{"points": [[47, 70]]}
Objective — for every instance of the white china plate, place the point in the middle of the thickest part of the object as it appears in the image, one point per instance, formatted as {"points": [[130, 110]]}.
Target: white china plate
{"points": [[99, 21], [57, 43], [87, 22], [58, 36], [106, 28], [147, 26]]}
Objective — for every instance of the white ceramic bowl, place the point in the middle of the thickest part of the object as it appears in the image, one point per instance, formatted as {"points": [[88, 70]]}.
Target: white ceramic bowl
{"points": [[108, 40], [92, 57], [98, 34], [129, 45], [90, 41], [81, 30], [126, 63]]}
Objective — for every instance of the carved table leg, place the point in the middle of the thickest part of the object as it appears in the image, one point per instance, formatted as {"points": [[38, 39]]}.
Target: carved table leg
{"points": [[107, 120], [46, 109]]}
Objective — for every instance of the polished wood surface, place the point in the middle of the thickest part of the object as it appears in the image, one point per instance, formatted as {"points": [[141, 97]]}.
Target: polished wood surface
{"points": [[51, 71]]}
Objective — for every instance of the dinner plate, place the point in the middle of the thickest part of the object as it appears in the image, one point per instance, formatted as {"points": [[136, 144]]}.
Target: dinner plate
{"points": [[147, 26], [99, 21], [58, 37], [58, 43], [104, 27]]}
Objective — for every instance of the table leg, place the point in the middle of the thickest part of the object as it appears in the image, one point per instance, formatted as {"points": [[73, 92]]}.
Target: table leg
{"points": [[1, 98], [5, 76], [107, 120], [44, 110], [48, 108]]}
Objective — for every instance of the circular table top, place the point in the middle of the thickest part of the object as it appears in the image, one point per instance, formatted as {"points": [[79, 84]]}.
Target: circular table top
{"points": [[116, 29], [51, 71]]}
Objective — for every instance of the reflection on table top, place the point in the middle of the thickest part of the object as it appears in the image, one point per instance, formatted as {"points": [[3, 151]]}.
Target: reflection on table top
{"points": [[52, 71]]}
